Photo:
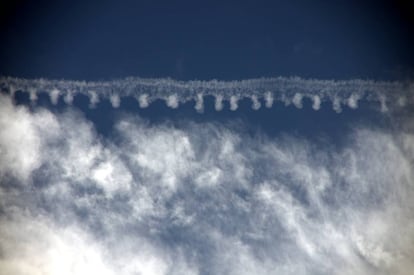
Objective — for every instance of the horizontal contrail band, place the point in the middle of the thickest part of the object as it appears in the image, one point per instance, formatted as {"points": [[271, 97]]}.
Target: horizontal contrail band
{"points": [[290, 90]]}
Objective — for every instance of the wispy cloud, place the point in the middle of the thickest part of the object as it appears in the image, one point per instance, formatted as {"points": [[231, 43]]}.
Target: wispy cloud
{"points": [[200, 199], [285, 89]]}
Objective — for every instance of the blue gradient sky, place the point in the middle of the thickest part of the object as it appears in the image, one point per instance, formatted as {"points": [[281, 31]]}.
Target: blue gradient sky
{"points": [[93, 40]]}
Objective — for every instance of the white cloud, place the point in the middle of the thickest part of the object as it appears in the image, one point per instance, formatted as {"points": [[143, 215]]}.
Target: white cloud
{"points": [[297, 100], [353, 101], [143, 101], [287, 89], [34, 245], [115, 100], [93, 98], [21, 138], [19, 144], [172, 101], [269, 99], [256, 103], [218, 104], [162, 156], [336, 104], [233, 103], [316, 103], [199, 106], [200, 198], [210, 177], [54, 96], [68, 98]]}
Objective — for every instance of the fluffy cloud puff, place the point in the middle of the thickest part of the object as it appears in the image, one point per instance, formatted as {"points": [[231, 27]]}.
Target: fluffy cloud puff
{"points": [[199, 199]]}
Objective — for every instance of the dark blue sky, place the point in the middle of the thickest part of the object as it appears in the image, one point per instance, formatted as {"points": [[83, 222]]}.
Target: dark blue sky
{"points": [[92, 40]]}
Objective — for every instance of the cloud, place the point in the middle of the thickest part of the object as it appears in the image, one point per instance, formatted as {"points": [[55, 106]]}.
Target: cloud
{"points": [[233, 103], [269, 99], [172, 101], [218, 104], [54, 96], [200, 198], [115, 100], [297, 100], [143, 101], [163, 156], [199, 106], [256, 103], [34, 245], [387, 95], [316, 103], [20, 140], [353, 101]]}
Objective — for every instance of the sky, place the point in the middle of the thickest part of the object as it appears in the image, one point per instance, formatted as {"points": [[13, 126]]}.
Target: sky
{"points": [[226, 40], [191, 137]]}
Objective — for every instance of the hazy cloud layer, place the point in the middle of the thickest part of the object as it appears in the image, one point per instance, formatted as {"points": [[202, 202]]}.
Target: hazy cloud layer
{"points": [[200, 198]]}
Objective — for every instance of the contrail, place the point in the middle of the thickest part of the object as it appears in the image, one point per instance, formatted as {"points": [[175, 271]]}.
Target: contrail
{"points": [[289, 90]]}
